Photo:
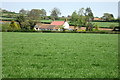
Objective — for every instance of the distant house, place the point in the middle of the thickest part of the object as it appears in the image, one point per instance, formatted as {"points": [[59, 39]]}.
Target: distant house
{"points": [[64, 24], [55, 25], [97, 19], [40, 26]]}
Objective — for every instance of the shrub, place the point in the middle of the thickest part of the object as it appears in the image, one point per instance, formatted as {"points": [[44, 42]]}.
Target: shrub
{"points": [[5, 27], [14, 25], [96, 27], [89, 27], [81, 30]]}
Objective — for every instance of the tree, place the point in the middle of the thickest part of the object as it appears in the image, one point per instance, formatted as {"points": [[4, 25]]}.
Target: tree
{"points": [[82, 18], [81, 12], [74, 16], [35, 14], [20, 19], [54, 13], [78, 19], [89, 18], [43, 14], [22, 11], [32, 23], [25, 25], [74, 19], [108, 17], [89, 15]]}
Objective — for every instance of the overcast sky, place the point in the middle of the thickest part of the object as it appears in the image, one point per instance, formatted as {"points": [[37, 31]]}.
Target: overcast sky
{"points": [[66, 8], [60, 0]]}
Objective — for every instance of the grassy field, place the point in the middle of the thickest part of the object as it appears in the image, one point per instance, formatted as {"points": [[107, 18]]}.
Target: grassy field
{"points": [[9, 19], [59, 55], [106, 24], [46, 21]]}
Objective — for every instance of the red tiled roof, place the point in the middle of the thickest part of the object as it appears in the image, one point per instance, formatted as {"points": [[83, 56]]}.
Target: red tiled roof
{"points": [[97, 18], [57, 23]]}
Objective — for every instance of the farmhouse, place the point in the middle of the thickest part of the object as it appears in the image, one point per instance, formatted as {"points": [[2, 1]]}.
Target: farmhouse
{"points": [[55, 25], [46, 27], [97, 19]]}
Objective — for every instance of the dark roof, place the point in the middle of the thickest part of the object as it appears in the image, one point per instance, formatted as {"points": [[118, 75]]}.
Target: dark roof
{"points": [[51, 26], [44, 27], [37, 25]]}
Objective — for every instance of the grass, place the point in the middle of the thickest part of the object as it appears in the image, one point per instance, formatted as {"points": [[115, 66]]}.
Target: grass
{"points": [[6, 18], [106, 24], [46, 21], [59, 55]]}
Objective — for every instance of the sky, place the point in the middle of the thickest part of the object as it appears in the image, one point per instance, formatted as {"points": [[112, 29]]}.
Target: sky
{"points": [[60, 0], [66, 8]]}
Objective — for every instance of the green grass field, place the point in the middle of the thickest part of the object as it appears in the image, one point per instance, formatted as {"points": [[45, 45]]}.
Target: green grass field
{"points": [[7, 19], [106, 24], [59, 55], [46, 21]]}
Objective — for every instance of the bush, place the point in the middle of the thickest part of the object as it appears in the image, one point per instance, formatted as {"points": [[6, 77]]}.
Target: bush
{"points": [[96, 27], [24, 30], [81, 30], [89, 26], [14, 25], [5, 27]]}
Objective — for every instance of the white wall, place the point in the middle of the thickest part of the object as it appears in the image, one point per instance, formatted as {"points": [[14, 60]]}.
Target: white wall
{"points": [[66, 25]]}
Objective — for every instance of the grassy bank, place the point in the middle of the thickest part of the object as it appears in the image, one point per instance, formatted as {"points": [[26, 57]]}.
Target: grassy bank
{"points": [[59, 55]]}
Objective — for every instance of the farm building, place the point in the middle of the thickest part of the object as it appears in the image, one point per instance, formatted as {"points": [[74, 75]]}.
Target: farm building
{"points": [[46, 27], [55, 25], [97, 19]]}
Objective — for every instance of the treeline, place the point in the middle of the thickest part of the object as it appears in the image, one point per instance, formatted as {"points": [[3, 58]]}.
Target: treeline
{"points": [[84, 17], [26, 20]]}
